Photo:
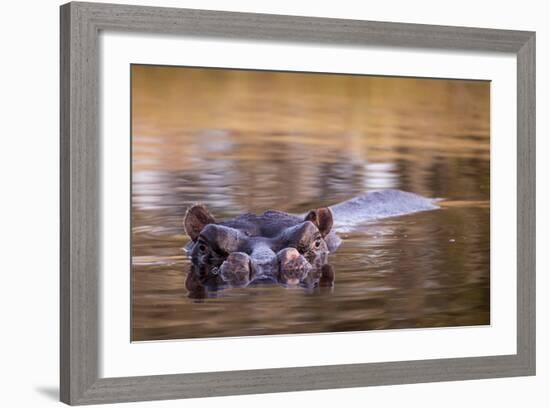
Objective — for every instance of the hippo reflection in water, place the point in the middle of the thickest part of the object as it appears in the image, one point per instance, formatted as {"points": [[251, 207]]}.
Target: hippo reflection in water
{"points": [[279, 247]]}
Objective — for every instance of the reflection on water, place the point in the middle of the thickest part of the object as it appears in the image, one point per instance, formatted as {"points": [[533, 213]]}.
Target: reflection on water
{"points": [[248, 141]]}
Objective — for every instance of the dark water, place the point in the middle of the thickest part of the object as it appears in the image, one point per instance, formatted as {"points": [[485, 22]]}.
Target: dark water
{"points": [[248, 141]]}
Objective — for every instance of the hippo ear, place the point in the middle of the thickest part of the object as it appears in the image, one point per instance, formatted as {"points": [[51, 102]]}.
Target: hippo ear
{"points": [[196, 218], [322, 218]]}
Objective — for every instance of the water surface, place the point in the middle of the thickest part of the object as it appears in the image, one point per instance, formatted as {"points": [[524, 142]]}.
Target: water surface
{"points": [[248, 141]]}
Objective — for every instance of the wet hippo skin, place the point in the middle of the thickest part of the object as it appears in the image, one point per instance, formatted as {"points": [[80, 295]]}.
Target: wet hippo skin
{"points": [[279, 247]]}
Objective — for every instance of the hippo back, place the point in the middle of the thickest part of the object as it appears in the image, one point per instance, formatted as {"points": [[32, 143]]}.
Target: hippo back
{"points": [[376, 205]]}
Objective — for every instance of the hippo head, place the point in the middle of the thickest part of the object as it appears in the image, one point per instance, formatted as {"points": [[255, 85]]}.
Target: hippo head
{"points": [[274, 246]]}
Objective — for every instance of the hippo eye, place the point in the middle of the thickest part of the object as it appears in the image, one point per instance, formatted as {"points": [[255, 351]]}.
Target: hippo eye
{"points": [[202, 247], [317, 243]]}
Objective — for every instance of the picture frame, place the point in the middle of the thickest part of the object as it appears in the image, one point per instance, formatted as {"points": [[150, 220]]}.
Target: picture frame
{"points": [[81, 24]]}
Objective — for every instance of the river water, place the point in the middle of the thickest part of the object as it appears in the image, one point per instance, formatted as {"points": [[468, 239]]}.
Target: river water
{"points": [[248, 141]]}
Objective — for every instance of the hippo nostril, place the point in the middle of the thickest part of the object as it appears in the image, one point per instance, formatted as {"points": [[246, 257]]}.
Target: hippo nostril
{"points": [[290, 254], [236, 269], [294, 267]]}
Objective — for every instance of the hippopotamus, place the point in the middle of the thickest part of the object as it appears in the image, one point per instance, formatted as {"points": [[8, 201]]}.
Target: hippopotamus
{"points": [[279, 247]]}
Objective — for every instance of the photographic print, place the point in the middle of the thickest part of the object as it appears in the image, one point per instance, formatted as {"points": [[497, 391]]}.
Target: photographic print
{"points": [[269, 202]]}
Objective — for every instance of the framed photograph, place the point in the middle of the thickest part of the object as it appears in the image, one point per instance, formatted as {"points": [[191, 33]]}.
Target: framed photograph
{"points": [[259, 203]]}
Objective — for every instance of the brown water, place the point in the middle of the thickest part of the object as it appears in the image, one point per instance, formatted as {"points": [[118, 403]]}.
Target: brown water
{"points": [[247, 141]]}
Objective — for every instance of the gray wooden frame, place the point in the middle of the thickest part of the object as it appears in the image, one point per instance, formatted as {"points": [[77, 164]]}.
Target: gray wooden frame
{"points": [[80, 234]]}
